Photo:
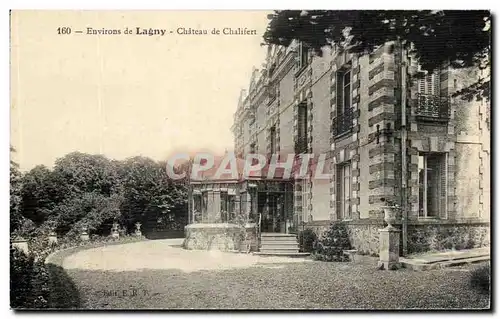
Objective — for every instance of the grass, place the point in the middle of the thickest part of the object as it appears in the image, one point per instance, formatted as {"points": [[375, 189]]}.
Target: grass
{"points": [[312, 285], [63, 292], [481, 278]]}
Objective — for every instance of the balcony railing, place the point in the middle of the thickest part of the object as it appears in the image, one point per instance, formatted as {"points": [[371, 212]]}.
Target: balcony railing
{"points": [[343, 122], [433, 106]]}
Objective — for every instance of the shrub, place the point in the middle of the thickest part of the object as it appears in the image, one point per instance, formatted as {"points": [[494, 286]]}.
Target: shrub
{"points": [[306, 240], [480, 279], [29, 281], [331, 246]]}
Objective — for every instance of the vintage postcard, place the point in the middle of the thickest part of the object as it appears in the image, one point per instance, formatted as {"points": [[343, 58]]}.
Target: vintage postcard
{"points": [[289, 159]]}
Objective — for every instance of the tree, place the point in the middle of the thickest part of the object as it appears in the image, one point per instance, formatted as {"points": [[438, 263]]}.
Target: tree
{"points": [[459, 37], [149, 193], [92, 210], [81, 173], [40, 193]]}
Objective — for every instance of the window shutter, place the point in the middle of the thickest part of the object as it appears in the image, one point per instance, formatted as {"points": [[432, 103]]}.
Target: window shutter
{"points": [[421, 85], [348, 190], [430, 83], [443, 187], [338, 202], [339, 92]]}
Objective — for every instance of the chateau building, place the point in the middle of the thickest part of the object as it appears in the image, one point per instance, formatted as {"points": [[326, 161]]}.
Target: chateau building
{"points": [[388, 136]]}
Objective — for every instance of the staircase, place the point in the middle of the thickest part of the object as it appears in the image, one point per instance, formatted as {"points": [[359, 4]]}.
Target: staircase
{"points": [[277, 244]]}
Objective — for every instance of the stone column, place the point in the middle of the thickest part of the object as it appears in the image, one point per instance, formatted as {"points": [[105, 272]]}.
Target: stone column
{"points": [[21, 244], [52, 238], [237, 208], [389, 248], [216, 207], [207, 217]]}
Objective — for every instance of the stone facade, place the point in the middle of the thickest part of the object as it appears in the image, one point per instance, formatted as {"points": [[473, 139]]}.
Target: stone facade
{"points": [[369, 138], [224, 237]]}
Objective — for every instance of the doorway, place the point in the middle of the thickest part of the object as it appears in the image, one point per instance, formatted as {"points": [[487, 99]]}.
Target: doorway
{"points": [[271, 206]]}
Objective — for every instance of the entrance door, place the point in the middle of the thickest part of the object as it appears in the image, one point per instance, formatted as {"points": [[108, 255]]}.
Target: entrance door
{"points": [[271, 206]]}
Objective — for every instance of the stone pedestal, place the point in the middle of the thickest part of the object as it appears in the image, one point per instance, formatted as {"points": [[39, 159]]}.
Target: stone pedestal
{"points": [[138, 232], [389, 248], [85, 236], [52, 239], [21, 244]]}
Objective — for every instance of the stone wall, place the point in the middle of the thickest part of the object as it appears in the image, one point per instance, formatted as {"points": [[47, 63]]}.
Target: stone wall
{"points": [[363, 234], [224, 237], [422, 236], [458, 236]]}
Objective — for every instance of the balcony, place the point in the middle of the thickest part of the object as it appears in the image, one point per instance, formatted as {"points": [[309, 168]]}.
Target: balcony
{"points": [[342, 124], [433, 107]]}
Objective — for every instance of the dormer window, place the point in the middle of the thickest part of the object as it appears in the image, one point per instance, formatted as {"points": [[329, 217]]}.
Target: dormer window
{"points": [[303, 55]]}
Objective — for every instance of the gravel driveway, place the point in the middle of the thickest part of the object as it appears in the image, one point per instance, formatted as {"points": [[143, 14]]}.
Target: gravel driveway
{"points": [[157, 274]]}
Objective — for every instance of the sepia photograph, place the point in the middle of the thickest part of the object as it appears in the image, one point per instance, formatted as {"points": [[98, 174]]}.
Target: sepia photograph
{"points": [[250, 160]]}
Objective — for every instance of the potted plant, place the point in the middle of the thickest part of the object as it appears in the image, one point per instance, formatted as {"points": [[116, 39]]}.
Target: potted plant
{"points": [[390, 211]]}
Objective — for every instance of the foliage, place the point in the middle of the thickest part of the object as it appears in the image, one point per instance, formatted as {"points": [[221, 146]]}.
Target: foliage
{"points": [[29, 281], [331, 245], [149, 194], [307, 238], [40, 193], [481, 279], [459, 37], [83, 173], [92, 191], [90, 210]]}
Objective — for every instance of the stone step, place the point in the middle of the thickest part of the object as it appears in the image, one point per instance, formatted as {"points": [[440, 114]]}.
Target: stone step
{"points": [[265, 248], [418, 265], [280, 251], [277, 235], [283, 240], [443, 258], [280, 240], [282, 254], [275, 244]]}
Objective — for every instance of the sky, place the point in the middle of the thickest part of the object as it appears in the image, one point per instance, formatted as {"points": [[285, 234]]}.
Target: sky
{"points": [[127, 95]]}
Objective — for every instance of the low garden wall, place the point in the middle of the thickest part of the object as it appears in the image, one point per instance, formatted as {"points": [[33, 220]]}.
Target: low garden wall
{"points": [[423, 235], [220, 236], [427, 236]]}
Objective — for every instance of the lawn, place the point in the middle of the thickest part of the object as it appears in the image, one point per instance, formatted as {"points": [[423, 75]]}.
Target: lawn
{"points": [[311, 285]]}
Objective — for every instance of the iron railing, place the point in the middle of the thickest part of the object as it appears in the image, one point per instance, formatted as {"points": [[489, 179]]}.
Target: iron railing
{"points": [[343, 122], [259, 231], [433, 106]]}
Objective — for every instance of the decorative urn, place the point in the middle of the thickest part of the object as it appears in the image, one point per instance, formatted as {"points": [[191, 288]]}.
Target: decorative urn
{"points": [[390, 213]]}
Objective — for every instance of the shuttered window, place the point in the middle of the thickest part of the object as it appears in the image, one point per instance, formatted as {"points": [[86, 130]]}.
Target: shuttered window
{"points": [[303, 55], [343, 91], [343, 178], [430, 84], [432, 185], [302, 128], [273, 139]]}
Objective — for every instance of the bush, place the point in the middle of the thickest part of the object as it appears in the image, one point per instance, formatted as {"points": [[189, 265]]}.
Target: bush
{"points": [[306, 240], [480, 279], [331, 246], [29, 281]]}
